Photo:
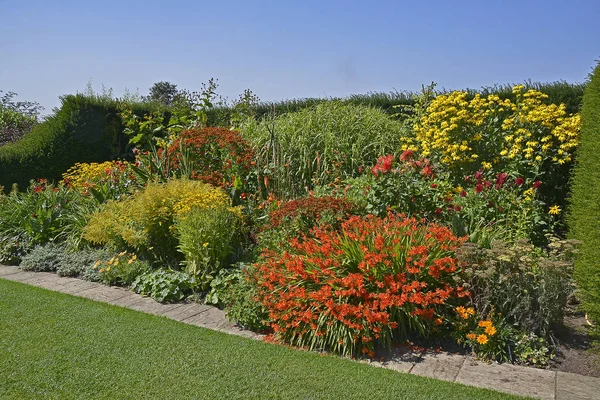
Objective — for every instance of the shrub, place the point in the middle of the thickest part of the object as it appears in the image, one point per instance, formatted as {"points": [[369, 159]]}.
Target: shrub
{"points": [[296, 218], [525, 137], [526, 285], [83, 129], [120, 270], [354, 290], [163, 285], [235, 290], [208, 238], [76, 263], [110, 180], [43, 214], [213, 155], [584, 218], [45, 258], [145, 222], [319, 145], [485, 206]]}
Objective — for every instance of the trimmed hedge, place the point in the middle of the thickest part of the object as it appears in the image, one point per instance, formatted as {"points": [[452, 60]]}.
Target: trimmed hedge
{"points": [[558, 92], [584, 217], [83, 129]]}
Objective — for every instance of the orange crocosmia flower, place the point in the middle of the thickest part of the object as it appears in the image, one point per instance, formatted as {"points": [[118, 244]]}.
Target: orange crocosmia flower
{"points": [[482, 339], [438, 321], [490, 330]]}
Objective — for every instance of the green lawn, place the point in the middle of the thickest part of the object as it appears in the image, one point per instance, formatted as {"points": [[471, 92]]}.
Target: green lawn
{"points": [[58, 346]]}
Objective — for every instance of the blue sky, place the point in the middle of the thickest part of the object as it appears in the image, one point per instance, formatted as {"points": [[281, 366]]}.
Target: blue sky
{"points": [[290, 49]]}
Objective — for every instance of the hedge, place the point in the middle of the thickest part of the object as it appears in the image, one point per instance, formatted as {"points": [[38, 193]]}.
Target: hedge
{"points": [[558, 92], [584, 215], [83, 129]]}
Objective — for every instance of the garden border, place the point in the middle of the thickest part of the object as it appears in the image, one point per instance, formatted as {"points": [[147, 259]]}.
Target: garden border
{"points": [[519, 380]]}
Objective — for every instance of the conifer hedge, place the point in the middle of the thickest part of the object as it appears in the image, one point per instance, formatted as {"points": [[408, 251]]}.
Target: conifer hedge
{"points": [[584, 217]]}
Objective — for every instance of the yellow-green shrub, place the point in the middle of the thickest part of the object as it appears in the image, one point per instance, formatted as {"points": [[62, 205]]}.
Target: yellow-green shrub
{"points": [[144, 222], [209, 238]]}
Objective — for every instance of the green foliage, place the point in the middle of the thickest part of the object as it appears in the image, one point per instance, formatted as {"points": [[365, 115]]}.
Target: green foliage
{"points": [[235, 290], [163, 92], [44, 213], [120, 270], [558, 92], [83, 129], [144, 223], [76, 263], [319, 145], [16, 117], [45, 258], [526, 285], [210, 240], [164, 286], [584, 217]]}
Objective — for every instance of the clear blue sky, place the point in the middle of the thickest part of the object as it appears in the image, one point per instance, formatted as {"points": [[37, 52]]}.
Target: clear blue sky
{"points": [[287, 49]]}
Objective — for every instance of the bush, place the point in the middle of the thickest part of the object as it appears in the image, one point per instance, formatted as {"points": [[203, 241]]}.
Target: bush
{"points": [[319, 145], [83, 129], [527, 286], [486, 206], [296, 218], [584, 218], [525, 137], [76, 263], [45, 258], [235, 290], [210, 239], [213, 155], [145, 222], [163, 285], [352, 291], [42, 214]]}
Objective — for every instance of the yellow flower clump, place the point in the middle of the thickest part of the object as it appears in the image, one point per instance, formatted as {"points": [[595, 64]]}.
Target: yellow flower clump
{"points": [[83, 174], [487, 130]]}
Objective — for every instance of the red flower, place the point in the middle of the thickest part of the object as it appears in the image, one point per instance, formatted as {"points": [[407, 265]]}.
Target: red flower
{"points": [[427, 171], [406, 155], [457, 208], [463, 194], [479, 188], [519, 181], [375, 171], [433, 185], [387, 163], [537, 184], [478, 175], [438, 211], [500, 179]]}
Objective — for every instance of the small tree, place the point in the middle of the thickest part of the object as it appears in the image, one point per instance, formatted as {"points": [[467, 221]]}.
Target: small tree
{"points": [[163, 92]]}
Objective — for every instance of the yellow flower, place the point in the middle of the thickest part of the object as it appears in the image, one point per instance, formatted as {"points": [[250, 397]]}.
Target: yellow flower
{"points": [[490, 330], [101, 270], [486, 165], [205, 244], [485, 324], [471, 311], [471, 336], [555, 210], [482, 339]]}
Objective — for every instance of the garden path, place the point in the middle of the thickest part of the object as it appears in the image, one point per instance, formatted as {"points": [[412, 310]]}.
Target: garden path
{"points": [[525, 381]]}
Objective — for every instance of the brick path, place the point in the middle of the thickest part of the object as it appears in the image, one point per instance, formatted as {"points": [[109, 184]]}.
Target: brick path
{"points": [[525, 381]]}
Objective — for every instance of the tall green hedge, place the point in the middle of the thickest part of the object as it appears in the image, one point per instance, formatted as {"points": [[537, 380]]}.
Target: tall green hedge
{"points": [[558, 92], [83, 129], [584, 216]]}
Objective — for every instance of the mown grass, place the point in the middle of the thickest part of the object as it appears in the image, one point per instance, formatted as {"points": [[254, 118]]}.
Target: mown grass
{"points": [[56, 346]]}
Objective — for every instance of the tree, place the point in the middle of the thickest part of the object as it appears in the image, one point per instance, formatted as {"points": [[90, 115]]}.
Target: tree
{"points": [[163, 92]]}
